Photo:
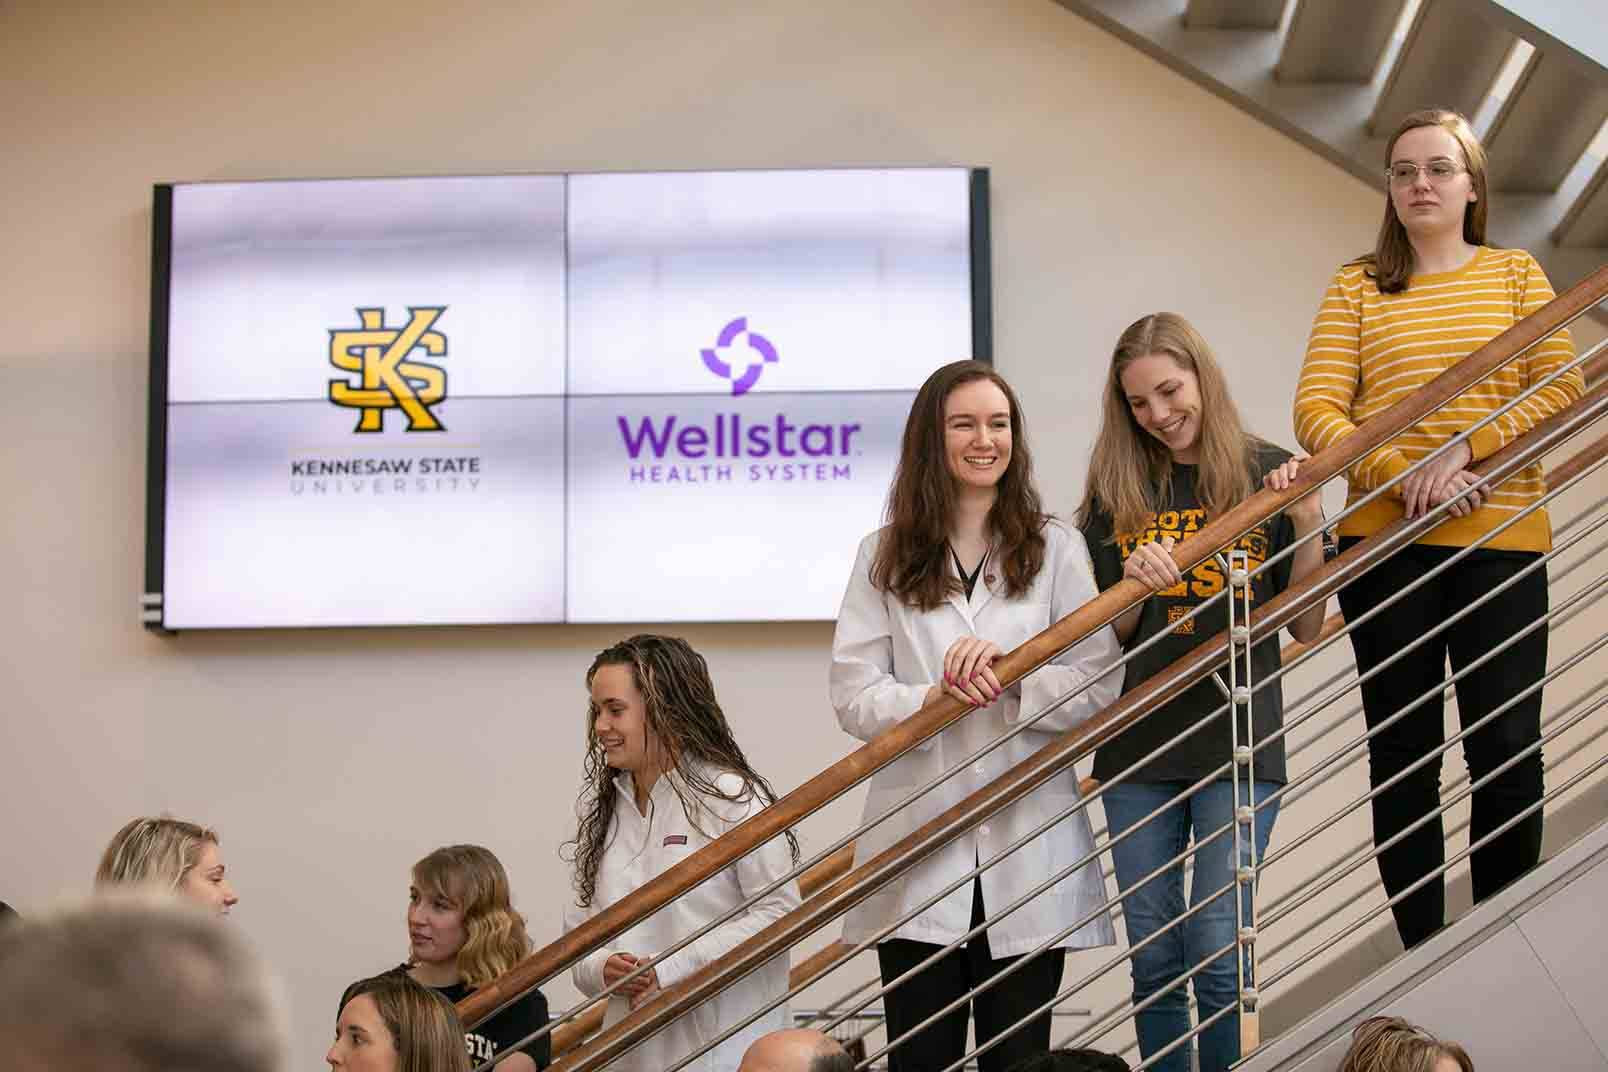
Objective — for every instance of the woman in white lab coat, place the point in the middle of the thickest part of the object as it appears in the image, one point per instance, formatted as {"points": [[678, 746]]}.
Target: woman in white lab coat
{"points": [[968, 567], [663, 778]]}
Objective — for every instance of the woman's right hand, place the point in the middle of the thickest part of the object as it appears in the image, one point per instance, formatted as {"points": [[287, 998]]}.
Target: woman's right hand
{"points": [[1152, 565], [618, 966], [969, 671], [1464, 489]]}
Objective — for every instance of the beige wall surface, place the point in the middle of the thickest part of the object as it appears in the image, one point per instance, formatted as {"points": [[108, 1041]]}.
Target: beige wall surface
{"points": [[330, 760]]}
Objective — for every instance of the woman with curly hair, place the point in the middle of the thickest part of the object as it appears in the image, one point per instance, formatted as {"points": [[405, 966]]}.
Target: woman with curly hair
{"points": [[172, 854], [463, 932], [389, 1023], [663, 778], [968, 567]]}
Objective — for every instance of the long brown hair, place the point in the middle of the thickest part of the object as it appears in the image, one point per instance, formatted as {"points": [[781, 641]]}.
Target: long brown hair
{"points": [[1391, 1044], [912, 559], [683, 715], [473, 879], [1391, 262], [423, 1025], [1130, 470]]}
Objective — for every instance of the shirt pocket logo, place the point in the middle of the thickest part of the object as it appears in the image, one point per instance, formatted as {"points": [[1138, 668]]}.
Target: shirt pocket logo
{"points": [[674, 839]]}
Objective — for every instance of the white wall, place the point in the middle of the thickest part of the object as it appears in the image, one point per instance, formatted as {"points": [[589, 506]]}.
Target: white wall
{"points": [[331, 760]]}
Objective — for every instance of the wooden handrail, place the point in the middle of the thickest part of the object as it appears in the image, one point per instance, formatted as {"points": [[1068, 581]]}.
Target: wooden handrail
{"points": [[1580, 462], [931, 718], [569, 1035], [1596, 368], [1053, 758]]}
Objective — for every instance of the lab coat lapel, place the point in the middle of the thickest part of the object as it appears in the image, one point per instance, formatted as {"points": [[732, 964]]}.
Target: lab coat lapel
{"points": [[959, 602], [985, 591]]}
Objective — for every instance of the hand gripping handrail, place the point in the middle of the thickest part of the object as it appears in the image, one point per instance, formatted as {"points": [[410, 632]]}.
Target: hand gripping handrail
{"points": [[1059, 754], [931, 718]]}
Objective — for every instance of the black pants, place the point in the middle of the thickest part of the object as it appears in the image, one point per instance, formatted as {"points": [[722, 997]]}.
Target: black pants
{"points": [[995, 1009], [1413, 623]]}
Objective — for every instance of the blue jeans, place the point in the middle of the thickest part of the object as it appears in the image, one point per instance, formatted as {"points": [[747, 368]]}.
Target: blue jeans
{"points": [[1161, 900]]}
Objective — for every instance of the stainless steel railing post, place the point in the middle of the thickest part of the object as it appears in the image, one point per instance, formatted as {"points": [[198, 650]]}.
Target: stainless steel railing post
{"points": [[1243, 776]]}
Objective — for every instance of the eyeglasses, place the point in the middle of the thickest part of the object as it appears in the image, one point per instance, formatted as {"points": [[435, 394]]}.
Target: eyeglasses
{"points": [[1441, 171]]}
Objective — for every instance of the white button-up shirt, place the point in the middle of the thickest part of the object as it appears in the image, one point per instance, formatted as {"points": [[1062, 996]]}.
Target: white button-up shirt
{"points": [[885, 655], [641, 847]]}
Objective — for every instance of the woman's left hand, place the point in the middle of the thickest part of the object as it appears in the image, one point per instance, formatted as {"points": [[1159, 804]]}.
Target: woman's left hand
{"points": [[645, 986], [1306, 513], [1430, 484], [969, 671]]}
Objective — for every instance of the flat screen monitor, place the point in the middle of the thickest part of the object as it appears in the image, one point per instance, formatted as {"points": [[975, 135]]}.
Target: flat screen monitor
{"points": [[644, 397]]}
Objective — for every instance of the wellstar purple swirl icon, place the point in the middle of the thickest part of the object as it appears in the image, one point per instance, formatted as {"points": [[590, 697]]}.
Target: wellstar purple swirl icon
{"points": [[756, 342]]}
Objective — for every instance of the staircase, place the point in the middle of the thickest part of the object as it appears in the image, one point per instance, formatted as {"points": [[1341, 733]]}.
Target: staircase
{"points": [[1534, 951], [1337, 75], [1320, 924]]}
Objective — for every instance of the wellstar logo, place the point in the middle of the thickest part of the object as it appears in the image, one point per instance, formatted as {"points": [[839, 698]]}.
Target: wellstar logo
{"points": [[731, 436], [715, 359]]}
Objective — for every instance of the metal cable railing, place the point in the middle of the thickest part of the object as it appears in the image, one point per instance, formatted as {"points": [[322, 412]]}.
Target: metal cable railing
{"points": [[546, 962], [1562, 612], [1220, 831], [984, 865]]}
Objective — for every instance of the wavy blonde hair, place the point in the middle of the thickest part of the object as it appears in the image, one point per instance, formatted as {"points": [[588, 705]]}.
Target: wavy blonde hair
{"points": [[1391, 1044], [1130, 470], [473, 879], [159, 851], [424, 1027]]}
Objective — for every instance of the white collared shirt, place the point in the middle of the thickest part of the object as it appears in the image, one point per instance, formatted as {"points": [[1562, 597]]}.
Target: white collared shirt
{"points": [[640, 848], [885, 655]]}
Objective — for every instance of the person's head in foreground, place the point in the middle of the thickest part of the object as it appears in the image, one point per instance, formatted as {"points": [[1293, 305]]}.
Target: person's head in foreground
{"points": [[172, 854], [1072, 1061], [1391, 1044], [134, 982], [390, 1023], [796, 1049]]}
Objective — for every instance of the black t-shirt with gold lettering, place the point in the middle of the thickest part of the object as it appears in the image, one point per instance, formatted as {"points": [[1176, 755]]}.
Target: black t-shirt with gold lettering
{"points": [[1212, 745]]}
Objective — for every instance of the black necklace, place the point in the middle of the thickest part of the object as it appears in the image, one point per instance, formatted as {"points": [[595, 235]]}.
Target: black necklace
{"points": [[970, 579]]}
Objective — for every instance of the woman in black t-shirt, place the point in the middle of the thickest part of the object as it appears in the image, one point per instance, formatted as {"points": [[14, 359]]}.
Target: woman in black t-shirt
{"points": [[1172, 453], [463, 932]]}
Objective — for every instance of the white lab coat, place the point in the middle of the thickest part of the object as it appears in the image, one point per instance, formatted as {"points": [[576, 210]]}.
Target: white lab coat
{"points": [[640, 848], [885, 655]]}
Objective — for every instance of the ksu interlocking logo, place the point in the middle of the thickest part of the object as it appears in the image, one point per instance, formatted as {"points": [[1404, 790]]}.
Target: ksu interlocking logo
{"points": [[727, 370], [378, 354]]}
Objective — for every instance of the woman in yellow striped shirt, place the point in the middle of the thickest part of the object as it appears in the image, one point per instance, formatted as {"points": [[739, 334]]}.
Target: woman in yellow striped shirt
{"points": [[1430, 294]]}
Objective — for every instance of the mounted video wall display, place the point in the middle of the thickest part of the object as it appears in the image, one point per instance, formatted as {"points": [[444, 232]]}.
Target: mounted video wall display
{"points": [[646, 397]]}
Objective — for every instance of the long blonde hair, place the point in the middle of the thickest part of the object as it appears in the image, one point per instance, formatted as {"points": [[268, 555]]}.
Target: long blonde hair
{"points": [[1391, 1044], [1130, 470], [473, 879], [1391, 262], [159, 851]]}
